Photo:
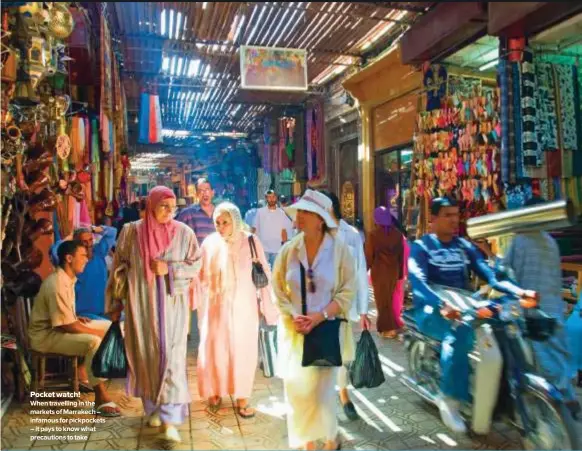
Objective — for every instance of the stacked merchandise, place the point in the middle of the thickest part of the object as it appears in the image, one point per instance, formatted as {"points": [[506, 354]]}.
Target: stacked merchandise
{"points": [[457, 150], [542, 150]]}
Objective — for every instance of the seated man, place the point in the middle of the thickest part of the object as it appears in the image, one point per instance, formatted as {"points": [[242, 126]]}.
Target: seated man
{"points": [[444, 259], [55, 328], [92, 282]]}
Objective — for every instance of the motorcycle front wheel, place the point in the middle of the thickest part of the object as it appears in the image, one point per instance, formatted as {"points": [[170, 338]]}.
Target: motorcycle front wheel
{"points": [[424, 366], [554, 428]]}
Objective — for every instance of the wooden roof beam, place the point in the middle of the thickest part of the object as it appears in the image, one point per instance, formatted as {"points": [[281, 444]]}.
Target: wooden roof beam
{"points": [[333, 13], [186, 45], [396, 6]]}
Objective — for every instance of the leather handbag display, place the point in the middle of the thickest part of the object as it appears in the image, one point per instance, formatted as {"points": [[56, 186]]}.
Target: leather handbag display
{"points": [[260, 279], [321, 346]]}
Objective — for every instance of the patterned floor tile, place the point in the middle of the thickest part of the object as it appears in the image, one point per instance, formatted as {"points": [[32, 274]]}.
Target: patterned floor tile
{"points": [[392, 418], [117, 444]]}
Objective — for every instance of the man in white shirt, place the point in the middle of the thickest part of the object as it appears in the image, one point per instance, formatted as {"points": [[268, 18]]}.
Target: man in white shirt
{"points": [[359, 310], [251, 215], [272, 226]]}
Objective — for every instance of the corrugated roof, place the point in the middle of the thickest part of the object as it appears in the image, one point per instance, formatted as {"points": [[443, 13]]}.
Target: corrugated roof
{"points": [[189, 50]]}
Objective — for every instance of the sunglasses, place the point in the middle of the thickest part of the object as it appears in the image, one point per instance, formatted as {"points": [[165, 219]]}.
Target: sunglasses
{"points": [[310, 281]]}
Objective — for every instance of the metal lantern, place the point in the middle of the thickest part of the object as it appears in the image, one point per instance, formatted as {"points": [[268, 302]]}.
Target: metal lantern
{"points": [[30, 12], [61, 21]]}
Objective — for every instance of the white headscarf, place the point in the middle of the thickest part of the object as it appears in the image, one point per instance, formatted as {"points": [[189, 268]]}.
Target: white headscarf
{"points": [[238, 225], [223, 254]]}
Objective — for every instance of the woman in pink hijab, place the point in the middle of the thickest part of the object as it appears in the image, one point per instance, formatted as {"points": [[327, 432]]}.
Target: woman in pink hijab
{"points": [[158, 258]]}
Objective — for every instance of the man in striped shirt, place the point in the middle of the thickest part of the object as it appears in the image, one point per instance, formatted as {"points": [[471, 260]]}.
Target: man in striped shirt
{"points": [[199, 217]]}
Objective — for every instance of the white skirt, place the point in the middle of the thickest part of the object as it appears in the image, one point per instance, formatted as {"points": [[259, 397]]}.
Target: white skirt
{"points": [[309, 391], [311, 405]]}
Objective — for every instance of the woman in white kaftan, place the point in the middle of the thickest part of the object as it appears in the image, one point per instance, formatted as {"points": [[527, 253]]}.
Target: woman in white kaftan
{"points": [[310, 391], [228, 312], [159, 255]]}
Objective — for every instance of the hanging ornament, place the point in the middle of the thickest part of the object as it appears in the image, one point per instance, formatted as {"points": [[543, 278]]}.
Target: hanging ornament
{"points": [[61, 21]]}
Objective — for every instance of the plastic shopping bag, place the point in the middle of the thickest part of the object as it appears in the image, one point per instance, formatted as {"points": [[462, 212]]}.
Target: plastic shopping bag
{"points": [[366, 370], [110, 361]]}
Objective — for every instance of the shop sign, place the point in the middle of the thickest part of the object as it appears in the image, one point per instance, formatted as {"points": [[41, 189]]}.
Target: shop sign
{"points": [[273, 69], [348, 201]]}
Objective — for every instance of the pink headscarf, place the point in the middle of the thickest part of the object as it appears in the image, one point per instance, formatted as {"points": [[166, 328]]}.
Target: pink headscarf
{"points": [[155, 238]]}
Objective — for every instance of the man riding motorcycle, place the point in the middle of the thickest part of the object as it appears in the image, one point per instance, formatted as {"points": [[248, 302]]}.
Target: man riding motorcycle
{"points": [[444, 259]]}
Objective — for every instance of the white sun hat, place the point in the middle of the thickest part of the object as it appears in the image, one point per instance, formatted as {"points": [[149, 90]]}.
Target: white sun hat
{"points": [[314, 202]]}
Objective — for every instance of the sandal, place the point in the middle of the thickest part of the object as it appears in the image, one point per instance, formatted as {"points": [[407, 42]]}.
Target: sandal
{"points": [[243, 411], [214, 406], [104, 413], [84, 387]]}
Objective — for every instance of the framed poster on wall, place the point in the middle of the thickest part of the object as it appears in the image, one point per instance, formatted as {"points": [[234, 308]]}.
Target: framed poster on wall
{"points": [[273, 69]]}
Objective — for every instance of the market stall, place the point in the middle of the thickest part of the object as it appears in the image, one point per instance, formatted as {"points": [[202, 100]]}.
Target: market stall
{"points": [[63, 144]]}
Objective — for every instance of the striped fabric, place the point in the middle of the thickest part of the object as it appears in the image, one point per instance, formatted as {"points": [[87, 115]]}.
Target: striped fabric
{"points": [[198, 221], [517, 118], [144, 342], [504, 86]]}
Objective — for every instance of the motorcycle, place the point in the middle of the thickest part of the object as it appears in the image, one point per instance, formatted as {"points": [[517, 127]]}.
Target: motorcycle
{"points": [[503, 381]]}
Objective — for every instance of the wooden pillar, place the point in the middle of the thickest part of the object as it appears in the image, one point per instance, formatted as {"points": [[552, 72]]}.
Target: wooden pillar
{"points": [[366, 157]]}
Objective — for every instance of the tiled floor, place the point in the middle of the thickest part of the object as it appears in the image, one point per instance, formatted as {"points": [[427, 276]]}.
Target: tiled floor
{"points": [[392, 418]]}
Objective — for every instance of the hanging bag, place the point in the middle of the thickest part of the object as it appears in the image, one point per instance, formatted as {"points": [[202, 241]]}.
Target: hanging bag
{"points": [[260, 279], [110, 361], [321, 346], [366, 370]]}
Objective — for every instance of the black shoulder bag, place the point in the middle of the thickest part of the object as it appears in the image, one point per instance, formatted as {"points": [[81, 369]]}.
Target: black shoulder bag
{"points": [[321, 347], [260, 279]]}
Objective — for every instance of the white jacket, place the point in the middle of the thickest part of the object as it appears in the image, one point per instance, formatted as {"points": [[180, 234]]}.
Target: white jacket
{"points": [[352, 238]]}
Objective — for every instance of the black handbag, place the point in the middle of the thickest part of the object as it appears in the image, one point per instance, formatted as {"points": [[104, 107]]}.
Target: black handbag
{"points": [[260, 279], [321, 347]]}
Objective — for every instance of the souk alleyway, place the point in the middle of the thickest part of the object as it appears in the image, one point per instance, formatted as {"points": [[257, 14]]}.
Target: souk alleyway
{"points": [[392, 418]]}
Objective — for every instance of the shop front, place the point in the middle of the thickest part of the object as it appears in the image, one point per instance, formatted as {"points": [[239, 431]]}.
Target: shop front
{"points": [[387, 92], [343, 138]]}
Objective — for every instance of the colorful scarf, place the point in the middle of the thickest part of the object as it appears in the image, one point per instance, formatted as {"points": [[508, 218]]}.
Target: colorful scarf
{"points": [[155, 238]]}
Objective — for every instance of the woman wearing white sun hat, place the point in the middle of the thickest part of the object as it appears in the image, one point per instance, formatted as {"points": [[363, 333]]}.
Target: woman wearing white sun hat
{"points": [[330, 285]]}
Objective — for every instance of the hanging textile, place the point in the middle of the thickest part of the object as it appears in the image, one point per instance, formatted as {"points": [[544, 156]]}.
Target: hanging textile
{"points": [[106, 146], [106, 69], [577, 163], [77, 136], [321, 158], [511, 124], [547, 125], [517, 118], [567, 114], [290, 142], [315, 146], [275, 156], [531, 151], [435, 83], [150, 120], [266, 146], [95, 158], [87, 149], [286, 143], [144, 118], [76, 214], [504, 86]]}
